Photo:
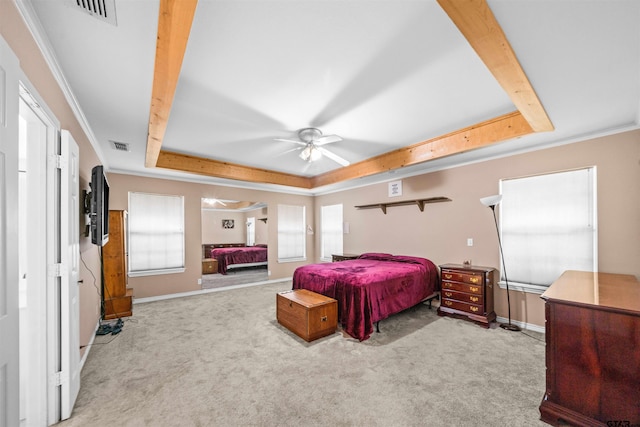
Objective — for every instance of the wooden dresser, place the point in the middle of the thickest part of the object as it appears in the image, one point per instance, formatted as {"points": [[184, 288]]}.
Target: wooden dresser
{"points": [[467, 291], [593, 350], [117, 298]]}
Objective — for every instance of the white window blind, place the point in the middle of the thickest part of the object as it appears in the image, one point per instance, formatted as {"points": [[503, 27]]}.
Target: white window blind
{"points": [[291, 233], [156, 234], [331, 228], [548, 225]]}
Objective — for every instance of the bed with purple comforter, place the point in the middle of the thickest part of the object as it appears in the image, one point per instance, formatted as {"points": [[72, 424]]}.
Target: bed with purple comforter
{"points": [[226, 257], [370, 288]]}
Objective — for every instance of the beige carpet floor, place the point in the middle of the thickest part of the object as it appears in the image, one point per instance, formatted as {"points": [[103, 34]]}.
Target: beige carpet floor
{"points": [[236, 276], [221, 359]]}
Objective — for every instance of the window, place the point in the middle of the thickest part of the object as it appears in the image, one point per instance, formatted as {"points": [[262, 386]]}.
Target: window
{"points": [[548, 225], [331, 227], [291, 233], [156, 234]]}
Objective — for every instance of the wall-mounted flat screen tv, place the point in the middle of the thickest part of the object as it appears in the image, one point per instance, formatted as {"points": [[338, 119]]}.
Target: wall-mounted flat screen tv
{"points": [[99, 213]]}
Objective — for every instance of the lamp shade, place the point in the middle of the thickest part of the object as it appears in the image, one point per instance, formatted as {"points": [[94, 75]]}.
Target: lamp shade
{"points": [[491, 200]]}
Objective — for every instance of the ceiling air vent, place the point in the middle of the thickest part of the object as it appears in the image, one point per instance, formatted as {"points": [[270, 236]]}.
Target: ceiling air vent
{"points": [[119, 146], [104, 10]]}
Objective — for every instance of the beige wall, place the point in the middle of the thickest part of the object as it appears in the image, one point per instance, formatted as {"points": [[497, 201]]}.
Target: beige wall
{"points": [[213, 232], [441, 231], [15, 32], [188, 281]]}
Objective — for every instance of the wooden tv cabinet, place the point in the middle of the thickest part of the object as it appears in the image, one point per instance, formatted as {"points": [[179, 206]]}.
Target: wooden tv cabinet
{"points": [[593, 350]]}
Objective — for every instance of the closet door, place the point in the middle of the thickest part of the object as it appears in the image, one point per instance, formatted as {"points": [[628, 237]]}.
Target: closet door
{"points": [[9, 337]]}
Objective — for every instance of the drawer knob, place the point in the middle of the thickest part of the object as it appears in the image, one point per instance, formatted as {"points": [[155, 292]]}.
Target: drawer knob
{"points": [[474, 309], [290, 304], [474, 289], [448, 294], [448, 276], [323, 319], [474, 299], [474, 279], [448, 302]]}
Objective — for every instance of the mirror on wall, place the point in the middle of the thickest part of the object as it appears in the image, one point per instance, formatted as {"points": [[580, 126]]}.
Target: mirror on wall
{"points": [[234, 242]]}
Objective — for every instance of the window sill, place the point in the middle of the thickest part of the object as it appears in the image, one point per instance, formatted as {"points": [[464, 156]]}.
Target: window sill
{"points": [[156, 272], [292, 260], [524, 287]]}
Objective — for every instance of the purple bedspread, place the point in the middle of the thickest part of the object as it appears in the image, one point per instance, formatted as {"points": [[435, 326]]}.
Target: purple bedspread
{"points": [[370, 288], [242, 255]]}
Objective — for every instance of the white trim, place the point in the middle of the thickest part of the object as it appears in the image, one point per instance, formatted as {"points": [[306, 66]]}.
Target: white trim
{"points": [[205, 291], [88, 346], [523, 325], [524, 287], [285, 260], [156, 272]]}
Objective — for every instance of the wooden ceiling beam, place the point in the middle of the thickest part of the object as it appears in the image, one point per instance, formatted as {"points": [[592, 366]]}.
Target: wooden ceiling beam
{"points": [[174, 25], [477, 23], [501, 128], [209, 167]]}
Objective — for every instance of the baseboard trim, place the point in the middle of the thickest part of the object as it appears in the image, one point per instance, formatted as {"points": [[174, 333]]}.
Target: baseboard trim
{"points": [[523, 325], [88, 347], [205, 291]]}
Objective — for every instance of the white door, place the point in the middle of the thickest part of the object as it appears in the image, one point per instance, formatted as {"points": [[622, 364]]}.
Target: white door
{"points": [[9, 337], [69, 274]]}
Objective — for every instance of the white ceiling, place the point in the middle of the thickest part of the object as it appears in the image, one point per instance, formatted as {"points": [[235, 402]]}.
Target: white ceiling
{"points": [[380, 74]]}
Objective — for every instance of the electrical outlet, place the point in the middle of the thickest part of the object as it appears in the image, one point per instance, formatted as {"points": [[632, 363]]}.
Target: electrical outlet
{"points": [[269, 273], [199, 281], [469, 241]]}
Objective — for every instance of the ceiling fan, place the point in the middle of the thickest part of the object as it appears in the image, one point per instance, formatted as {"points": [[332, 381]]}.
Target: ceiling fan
{"points": [[313, 142]]}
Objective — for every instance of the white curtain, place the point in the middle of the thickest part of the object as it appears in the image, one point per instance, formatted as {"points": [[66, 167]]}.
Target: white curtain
{"points": [[331, 228], [291, 233], [548, 225], [156, 232]]}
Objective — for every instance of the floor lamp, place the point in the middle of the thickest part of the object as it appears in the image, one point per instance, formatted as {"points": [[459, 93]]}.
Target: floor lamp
{"points": [[491, 202]]}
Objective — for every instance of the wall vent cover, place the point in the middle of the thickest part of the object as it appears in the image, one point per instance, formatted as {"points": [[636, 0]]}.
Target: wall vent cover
{"points": [[104, 10], [119, 146]]}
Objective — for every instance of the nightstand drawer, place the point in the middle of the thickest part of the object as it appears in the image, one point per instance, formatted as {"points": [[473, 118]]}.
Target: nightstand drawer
{"points": [[462, 287], [456, 276], [462, 297], [463, 306]]}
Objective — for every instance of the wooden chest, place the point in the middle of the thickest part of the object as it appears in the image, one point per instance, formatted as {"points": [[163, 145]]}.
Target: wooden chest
{"points": [[467, 291], [209, 266], [307, 314]]}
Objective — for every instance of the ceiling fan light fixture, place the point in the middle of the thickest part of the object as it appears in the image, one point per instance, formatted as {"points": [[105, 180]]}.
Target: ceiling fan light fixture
{"points": [[310, 153]]}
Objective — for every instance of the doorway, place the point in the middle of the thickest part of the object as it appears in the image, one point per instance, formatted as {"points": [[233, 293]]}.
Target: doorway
{"points": [[35, 129]]}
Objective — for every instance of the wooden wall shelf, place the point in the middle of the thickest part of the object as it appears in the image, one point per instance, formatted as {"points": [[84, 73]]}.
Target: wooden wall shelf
{"points": [[418, 202]]}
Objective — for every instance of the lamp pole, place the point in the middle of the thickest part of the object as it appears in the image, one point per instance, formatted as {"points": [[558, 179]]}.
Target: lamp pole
{"points": [[508, 326]]}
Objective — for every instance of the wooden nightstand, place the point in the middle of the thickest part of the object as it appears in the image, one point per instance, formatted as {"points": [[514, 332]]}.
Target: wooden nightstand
{"points": [[343, 257], [209, 266], [467, 291]]}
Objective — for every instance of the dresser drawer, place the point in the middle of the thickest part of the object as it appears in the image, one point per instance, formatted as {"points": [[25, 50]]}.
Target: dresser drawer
{"points": [[463, 306], [462, 287], [457, 276], [463, 297]]}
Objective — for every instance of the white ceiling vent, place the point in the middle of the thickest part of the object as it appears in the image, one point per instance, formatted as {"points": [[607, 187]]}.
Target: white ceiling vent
{"points": [[104, 10], [119, 146]]}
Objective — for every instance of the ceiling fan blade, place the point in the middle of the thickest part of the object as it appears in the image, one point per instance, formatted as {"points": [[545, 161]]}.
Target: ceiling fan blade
{"points": [[327, 139], [290, 140], [333, 156]]}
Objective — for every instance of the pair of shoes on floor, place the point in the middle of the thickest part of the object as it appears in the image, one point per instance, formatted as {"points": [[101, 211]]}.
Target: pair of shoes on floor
{"points": [[110, 328]]}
